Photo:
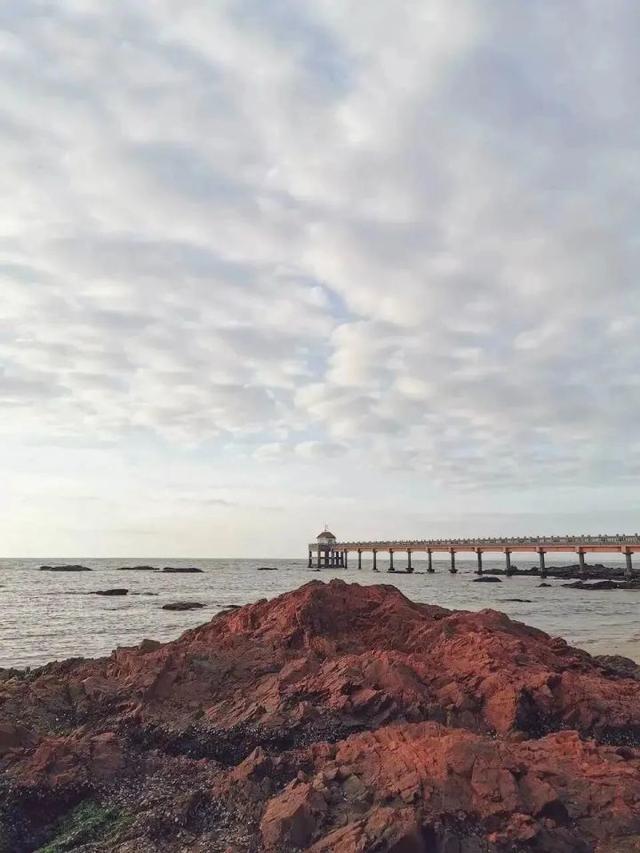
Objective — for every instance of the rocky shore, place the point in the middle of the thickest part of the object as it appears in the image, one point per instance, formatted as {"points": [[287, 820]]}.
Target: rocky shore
{"points": [[337, 717]]}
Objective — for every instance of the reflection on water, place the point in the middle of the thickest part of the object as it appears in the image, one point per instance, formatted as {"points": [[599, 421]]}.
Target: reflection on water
{"points": [[47, 615]]}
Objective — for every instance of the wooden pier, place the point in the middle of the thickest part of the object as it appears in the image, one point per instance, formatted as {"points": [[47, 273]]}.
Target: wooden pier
{"points": [[328, 551]]}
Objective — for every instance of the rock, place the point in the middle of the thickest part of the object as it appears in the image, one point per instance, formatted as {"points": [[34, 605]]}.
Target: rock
{"points": [[69, 568], [593, 572], [592, 585], [291, 818], [65, 762], [149, 646], [336, 717], [547, 585], [518, 600], [116, 591], [486, 579], [619, 665], [13, 736], [183, 605], [138, 569], [179, 570], [267, 569]]}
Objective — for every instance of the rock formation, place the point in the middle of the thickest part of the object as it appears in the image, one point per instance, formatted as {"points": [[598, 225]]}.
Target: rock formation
{"points": [[337, 718]]}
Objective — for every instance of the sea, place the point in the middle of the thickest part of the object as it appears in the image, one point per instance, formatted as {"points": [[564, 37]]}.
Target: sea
{"points": [[46, 616]]}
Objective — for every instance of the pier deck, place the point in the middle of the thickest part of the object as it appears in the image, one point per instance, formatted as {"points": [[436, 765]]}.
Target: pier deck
{"points": [[328, 551]]}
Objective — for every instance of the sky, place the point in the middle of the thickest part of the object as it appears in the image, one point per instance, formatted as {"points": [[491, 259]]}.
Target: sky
{"points": [[266, 265]]}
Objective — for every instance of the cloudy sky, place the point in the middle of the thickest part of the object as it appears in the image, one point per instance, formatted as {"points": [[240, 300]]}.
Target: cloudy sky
{"points": [[267, 264]]}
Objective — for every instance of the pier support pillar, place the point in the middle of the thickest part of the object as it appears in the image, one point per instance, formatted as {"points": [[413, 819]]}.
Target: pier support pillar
{"points": [[583, 568], [346, 559], [628, 569], [409, 566], [310, 560], [507, 557], [318, 559], [359, 558], [375, 560], [430, 568], [479, 556], [543, 567], [391, 569], [452, 567]]}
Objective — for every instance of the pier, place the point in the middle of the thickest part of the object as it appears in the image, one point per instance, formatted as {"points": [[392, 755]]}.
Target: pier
{"points": [[327, 551]]}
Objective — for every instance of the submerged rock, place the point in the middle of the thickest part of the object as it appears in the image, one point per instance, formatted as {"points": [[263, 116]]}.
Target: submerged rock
{"points": [[138, 569], [486, 579], [67, 568], [267, 569], [181, 570], [595, 571], [183, 605], [592, 585], [117, 591], [337, 717]]}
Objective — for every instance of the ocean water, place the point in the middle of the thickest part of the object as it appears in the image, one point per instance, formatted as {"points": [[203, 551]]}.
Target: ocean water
{"points": [[47, 616]]}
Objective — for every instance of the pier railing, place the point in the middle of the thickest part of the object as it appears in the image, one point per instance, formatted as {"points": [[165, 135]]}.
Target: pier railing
{"points": [[500, 542], [334, 553]]}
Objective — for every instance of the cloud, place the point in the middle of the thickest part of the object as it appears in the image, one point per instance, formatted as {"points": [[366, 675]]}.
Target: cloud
{"points": [[292, 233]]}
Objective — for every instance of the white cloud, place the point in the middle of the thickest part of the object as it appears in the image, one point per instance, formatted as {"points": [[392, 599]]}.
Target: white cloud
{"points": [[280, 234]]}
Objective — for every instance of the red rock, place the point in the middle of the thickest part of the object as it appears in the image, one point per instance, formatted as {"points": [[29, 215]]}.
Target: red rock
{"points": [[336, 717], [64, 761], [290, 819]]}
